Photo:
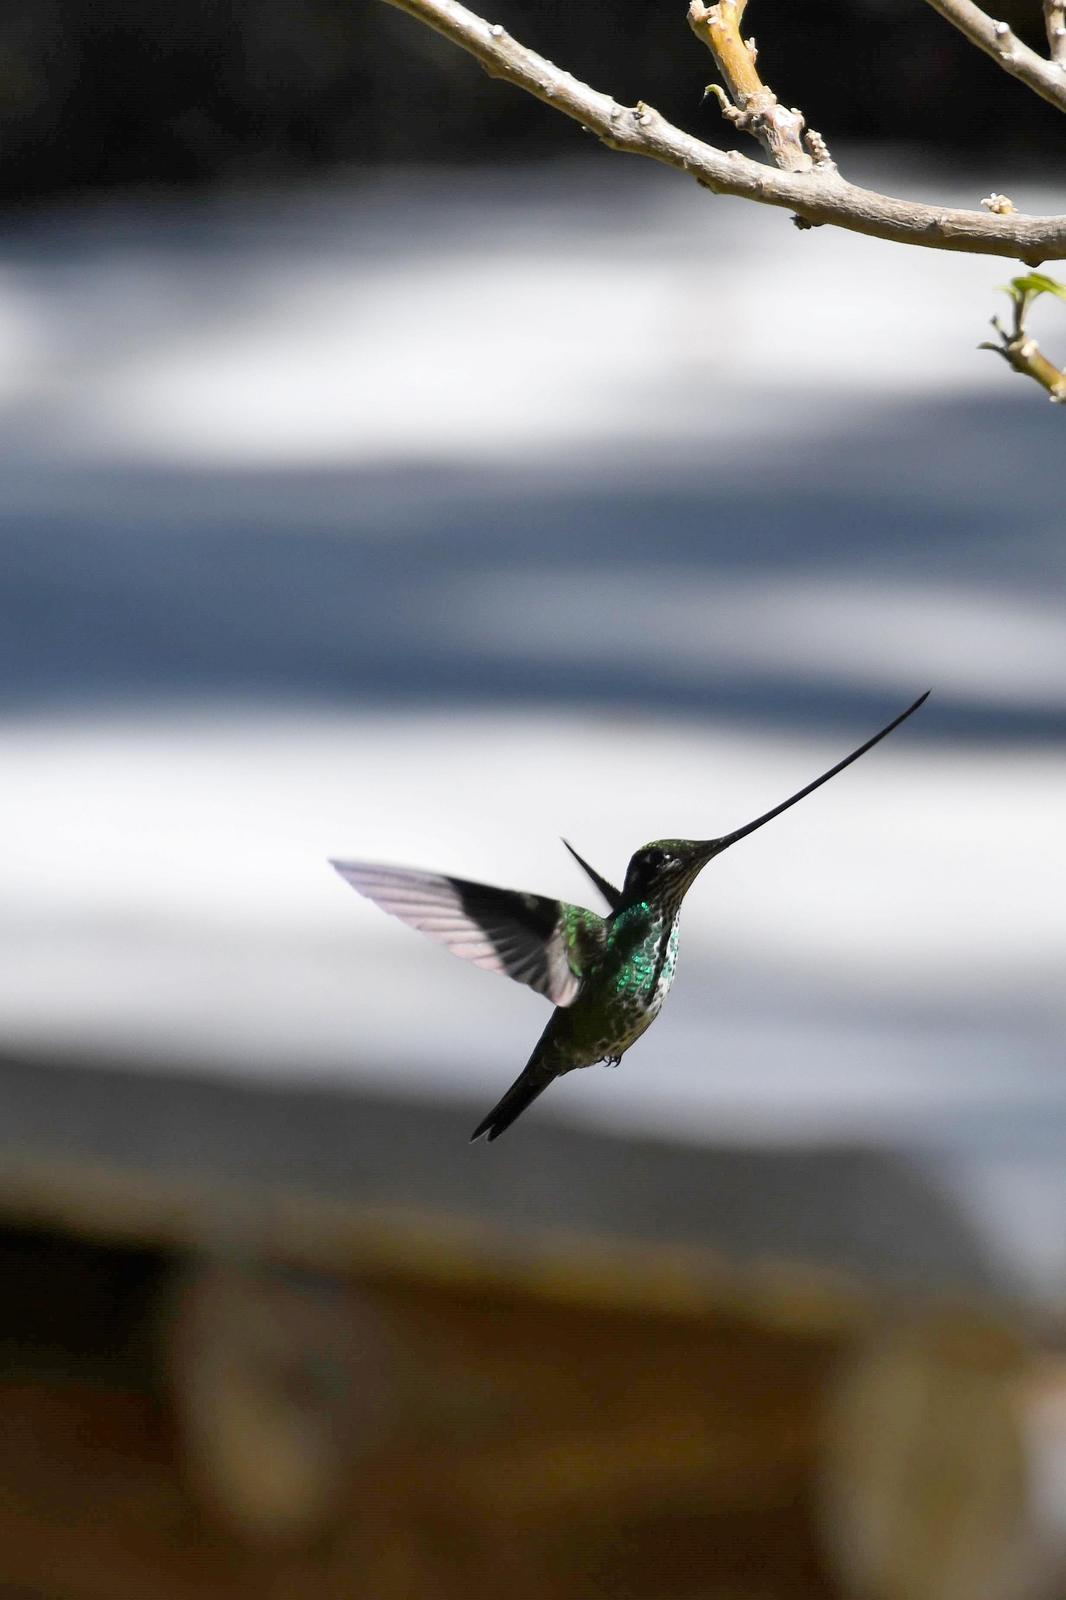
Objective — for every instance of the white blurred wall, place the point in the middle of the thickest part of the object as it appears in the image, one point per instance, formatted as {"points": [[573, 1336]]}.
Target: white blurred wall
{"points": [[575, 501]]}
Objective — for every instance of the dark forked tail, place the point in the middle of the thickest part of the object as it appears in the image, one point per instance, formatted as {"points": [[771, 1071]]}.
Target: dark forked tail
{"points": [[522, 1093]]}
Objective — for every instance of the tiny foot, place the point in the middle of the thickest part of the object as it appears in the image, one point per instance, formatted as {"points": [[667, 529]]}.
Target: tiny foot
{"points": [[611, 1061]]}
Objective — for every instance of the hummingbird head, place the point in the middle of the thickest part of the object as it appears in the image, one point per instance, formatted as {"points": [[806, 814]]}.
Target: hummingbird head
{"points": [[665, 869]]}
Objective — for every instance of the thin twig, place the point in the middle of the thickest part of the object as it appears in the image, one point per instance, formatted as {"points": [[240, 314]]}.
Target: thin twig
{"points": [[1022, 352], [753, 108], [819, 196], [998, 39], [1016, 345], [1055, 23]]}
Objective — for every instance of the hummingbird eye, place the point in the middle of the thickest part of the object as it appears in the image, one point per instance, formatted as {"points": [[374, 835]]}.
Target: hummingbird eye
{"points": [[655, 859]]}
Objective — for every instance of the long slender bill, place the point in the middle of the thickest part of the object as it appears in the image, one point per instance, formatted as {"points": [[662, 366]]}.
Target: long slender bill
{"points": [[742, 833]]}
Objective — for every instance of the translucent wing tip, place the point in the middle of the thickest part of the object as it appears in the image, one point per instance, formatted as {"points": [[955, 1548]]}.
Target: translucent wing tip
{"points": [[348, 870], [354, 872]]}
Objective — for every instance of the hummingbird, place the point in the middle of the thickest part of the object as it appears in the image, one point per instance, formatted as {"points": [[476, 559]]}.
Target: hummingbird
{"points": [[607, 976]]}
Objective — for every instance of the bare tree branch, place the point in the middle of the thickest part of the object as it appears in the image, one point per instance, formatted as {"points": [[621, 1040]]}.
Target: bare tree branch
{"points": [[998, 39], [1023, 353], [1055, 23], [819, 196], [754, 108]]}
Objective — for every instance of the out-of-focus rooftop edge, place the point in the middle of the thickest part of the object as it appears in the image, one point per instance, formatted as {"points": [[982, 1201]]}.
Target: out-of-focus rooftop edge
{"points": [[136, 1208], [819, 1240]]}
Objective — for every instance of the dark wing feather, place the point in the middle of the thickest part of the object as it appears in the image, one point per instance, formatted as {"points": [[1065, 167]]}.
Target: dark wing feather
{"points": [[545, 943], [612, 895]]}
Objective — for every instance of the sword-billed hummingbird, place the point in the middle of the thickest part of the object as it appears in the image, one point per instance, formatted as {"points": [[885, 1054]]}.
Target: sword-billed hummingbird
{"points": [[607, 976]]}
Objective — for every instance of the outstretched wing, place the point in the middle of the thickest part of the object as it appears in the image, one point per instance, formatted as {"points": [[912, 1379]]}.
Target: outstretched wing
{"points": [[545, 943]]}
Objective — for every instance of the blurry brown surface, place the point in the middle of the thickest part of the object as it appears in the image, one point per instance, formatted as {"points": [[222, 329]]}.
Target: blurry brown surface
{"points": [[941, 1467], [291, 1344], [183, 1421], [518, 1442]]}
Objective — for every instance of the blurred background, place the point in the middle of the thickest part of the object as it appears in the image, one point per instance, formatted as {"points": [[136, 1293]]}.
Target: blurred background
{"points": [[389, 471]]}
